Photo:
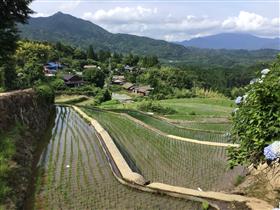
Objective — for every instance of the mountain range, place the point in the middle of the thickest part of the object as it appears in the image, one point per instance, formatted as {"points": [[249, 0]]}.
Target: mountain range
{"points": [[233, 41], [81, 33]]}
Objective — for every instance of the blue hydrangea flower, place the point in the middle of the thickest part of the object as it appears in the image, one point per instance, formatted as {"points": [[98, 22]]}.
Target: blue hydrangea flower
{"points": [[238, 100], [265, 71], [272, 151], [276, 148], [253, 81]]}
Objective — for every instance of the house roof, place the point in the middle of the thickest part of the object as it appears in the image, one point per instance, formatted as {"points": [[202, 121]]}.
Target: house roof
{"points": [[53, 65], [68, 77], [89, 66], [127, 85], [118, 77], [144, 89]]}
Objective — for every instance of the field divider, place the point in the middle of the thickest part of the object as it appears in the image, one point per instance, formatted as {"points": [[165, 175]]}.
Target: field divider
{"points": [[137, 181], [168, 121], [121, 163], [209, 143]]}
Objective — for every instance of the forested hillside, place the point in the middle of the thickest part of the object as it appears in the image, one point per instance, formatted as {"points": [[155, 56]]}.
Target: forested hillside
{"points": [[80, 33]]}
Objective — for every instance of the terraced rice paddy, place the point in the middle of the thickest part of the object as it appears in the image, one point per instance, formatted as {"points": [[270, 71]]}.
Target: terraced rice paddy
{"points": [[77, 174], [169, 161], [169, 128], [214, 126]]}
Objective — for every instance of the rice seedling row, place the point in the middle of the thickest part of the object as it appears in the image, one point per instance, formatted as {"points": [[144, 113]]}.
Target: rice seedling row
{"points": [[169, 161], [88, 182], [177, 131]]}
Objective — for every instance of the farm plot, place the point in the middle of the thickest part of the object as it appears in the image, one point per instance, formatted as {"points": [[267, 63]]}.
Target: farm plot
{"points": [[169, 161], [210, 126], [76, 174], [169, 128]]}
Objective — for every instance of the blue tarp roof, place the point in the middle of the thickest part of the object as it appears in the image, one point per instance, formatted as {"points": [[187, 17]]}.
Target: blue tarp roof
{"points": [[52, 65]]}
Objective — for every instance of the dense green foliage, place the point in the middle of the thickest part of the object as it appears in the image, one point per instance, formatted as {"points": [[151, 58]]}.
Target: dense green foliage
{"points": [[78, 32], [95, 76], [12, 12], [151, 106], [7, 151], [256, 123], [45, 94]]}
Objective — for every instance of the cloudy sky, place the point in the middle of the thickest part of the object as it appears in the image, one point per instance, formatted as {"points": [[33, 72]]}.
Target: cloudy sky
{"points": [[172, 20]]}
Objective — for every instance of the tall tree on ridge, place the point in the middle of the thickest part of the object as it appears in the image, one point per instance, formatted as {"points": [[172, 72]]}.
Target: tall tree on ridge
{"points": [[91, 54], [11, 13]]}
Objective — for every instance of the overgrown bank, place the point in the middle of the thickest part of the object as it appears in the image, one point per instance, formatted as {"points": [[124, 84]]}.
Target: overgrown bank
{"points": [[24, 117]]}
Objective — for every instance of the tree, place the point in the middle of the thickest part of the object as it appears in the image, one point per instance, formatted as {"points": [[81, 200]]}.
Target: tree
{"points": [[32, 51], [256, 123], [95, 76], [91, 54], [11, 13], [79, 54]]}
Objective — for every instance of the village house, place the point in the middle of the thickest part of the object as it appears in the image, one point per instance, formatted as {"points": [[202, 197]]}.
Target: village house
{"points": [[143, 90], [128, 86], [118, 79], [129, 68], [91, 66], [73, 80], [52, 67]]}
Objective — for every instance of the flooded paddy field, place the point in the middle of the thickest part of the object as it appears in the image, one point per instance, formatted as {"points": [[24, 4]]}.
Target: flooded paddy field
{"points": [[75, 174], [169, 128], [173, 162]]}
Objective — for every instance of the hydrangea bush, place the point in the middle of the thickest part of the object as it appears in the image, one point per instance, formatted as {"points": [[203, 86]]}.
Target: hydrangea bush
{"points": [[256, 122]]}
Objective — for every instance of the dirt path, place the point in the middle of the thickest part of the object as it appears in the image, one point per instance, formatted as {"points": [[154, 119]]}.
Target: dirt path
{"points": [[15, 92]]}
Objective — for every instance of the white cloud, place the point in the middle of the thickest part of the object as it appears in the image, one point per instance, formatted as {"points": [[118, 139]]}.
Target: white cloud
{"points": [[69, 5], [276, 22], [252, 23], [40, 14], [122, 15], [245, 21], [171, 27]]}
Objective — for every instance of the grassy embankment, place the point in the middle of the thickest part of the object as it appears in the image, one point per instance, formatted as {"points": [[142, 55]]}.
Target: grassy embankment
{"points": [[7, 151]]}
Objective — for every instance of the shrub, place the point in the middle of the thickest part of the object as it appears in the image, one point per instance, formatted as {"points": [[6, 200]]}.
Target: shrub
{"points": [[256, 123], [45, 93], [192, 113], [58, 84], [102, 96], [235, 92], [7, 151], [111, 102], [205, 205], [204, 93], [150, 106], [88, 90], [183, 93]]}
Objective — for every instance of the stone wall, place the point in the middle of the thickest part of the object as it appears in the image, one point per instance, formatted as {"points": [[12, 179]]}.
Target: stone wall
{"points": [[23, 107], [27, 109]]}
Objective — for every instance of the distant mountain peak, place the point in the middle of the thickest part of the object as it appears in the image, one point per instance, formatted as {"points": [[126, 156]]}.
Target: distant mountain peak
{"points": [[233, 41], [81, 33]]}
